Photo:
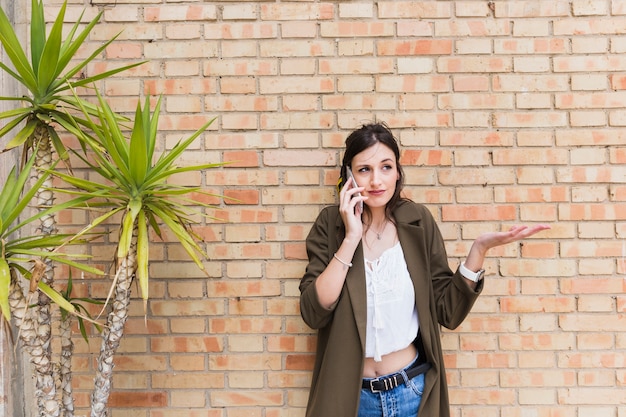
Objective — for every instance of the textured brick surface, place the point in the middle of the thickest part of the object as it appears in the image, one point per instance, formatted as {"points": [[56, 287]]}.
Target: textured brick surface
{"points": [[507, 111]]}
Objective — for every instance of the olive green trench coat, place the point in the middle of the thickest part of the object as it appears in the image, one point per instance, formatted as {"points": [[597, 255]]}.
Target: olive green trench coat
{"points": [[442, 298]]}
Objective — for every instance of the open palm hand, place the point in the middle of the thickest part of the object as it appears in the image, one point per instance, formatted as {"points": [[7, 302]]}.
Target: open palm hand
{"points": [[492, 239]]}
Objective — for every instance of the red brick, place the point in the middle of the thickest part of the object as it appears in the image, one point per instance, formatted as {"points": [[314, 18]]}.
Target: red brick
{"points": [[418, 47], [508, 112], [241, 196], [138, 399]]}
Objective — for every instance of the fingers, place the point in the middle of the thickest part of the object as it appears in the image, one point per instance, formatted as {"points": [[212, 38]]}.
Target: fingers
{"points": [[521, 232], [350, 197]]}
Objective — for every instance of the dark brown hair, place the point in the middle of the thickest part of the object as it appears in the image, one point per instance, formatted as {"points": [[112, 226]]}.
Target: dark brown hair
{"points": [[365, 137]]}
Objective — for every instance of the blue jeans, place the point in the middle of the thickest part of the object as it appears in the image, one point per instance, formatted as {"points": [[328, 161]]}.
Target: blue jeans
{"points": [[402, 401]]}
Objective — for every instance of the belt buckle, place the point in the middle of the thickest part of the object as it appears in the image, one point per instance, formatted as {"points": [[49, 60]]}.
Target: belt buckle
{"points": [[372, 389]]}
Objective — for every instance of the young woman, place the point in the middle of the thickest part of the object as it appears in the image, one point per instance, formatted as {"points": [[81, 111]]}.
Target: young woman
{"points": [[377, 287]]}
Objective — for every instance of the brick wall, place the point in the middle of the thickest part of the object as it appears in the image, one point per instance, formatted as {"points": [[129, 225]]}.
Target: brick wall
{"points": [[507, 111]]}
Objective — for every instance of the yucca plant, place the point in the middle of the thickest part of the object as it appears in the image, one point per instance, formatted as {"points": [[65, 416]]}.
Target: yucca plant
{"points": [[136, 187], [45, 100], [48, 78], [49, 81], [16, 254]]}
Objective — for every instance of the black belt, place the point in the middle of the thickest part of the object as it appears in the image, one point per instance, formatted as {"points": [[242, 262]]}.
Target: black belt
{"points": [[392, 381]]}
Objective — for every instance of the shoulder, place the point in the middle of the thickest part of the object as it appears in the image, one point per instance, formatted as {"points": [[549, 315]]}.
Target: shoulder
{"points": [[328, 215], [328, 218], [330, 210], [410, 212], [414, 219]]}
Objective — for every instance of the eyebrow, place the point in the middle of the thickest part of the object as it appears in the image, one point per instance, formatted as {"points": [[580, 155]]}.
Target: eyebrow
{"points": [[384, 161]]}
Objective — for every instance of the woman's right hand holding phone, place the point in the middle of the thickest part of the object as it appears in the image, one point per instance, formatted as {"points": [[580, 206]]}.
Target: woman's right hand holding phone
{"points": [[351, 209], [329, 283]]}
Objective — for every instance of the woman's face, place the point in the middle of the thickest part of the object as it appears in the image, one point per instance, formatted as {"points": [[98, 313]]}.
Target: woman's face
{"points": [[375, 169]]}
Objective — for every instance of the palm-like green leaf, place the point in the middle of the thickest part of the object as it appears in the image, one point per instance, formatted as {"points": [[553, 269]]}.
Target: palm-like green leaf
{"points": [[83, 312], [15, 112], [38, 34], [16, 250], [13, 203], [142, 252], [22, 136], [56, 297], [16, 54], [139, 144], [68, 306], [47, 72], [5, 283], [136, 183], [46, 75]]}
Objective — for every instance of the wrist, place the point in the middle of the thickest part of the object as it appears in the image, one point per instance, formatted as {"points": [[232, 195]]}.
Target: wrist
{"points": [[343, 262], [470, 274], [476, 257], [349, 244], [478, 249]]}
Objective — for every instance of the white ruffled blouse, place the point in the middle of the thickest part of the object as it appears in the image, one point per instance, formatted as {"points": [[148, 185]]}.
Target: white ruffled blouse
{"points": [[392, 321]]}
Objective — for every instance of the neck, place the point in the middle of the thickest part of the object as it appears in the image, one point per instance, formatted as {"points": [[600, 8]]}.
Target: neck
{"points": [[376, 227], [377, 218]]}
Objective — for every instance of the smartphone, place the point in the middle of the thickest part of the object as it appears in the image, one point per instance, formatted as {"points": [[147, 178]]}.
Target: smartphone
{"points": [[350, 175]]}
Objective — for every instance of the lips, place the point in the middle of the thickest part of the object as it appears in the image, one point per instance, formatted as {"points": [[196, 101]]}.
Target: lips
{"points": [[376, 193]]}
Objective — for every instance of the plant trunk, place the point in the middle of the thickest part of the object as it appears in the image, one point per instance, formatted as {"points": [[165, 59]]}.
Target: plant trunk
{"points": [[44, 198], [65, 365], [114, 330], [29, 335]]}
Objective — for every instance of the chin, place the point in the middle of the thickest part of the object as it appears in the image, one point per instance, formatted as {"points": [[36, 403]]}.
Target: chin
{"points": [[377, 204]]}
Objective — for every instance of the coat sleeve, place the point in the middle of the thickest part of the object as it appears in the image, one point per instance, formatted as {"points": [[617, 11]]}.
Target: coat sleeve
{"points": [[320, 246], [454, 298]]}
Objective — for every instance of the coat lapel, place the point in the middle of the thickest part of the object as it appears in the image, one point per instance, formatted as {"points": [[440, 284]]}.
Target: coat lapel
{"points": [[355, 285], [357, 291], [413, 241]]}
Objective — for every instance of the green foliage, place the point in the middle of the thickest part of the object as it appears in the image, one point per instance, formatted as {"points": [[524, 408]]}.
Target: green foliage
{"points": [[136, 184], [46, 75], [16, 251], [83, 312]]}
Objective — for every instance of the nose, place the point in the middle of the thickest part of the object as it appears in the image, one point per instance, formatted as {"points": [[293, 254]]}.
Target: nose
{"points": [[375, 177]]}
